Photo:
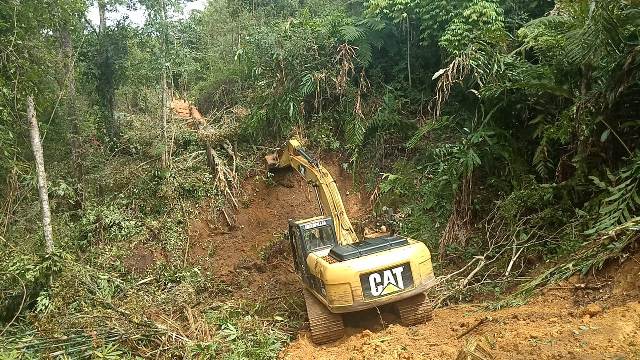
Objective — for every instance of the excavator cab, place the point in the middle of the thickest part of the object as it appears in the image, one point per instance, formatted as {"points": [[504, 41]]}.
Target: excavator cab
{"points": [[315, 235]]}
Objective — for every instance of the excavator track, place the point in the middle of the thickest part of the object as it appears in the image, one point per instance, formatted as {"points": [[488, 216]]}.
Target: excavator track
{"points": [[325, 325], [414, 310]]}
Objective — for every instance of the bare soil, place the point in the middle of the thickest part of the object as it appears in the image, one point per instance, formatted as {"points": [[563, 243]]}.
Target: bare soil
{"points": [[253, 258], [185, 110], [595, 317], [142, 257]]}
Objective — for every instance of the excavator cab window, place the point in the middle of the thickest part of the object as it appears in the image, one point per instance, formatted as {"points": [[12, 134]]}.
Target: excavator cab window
{"points": [[319, 237], [311, 236], [306, 238]]}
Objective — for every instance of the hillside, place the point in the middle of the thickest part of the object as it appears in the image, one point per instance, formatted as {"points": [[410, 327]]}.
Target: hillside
{"points": [[492, 145]]}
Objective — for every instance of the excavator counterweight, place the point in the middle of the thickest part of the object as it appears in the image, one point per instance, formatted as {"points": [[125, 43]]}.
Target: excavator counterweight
{"points": [[341, 273]]}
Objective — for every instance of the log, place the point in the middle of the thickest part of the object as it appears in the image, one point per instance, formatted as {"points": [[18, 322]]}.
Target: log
{"points": [[474, 326]]}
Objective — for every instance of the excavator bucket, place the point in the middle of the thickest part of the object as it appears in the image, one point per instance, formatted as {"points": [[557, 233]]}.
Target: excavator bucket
{"points": [[272, 161], [281, 158]]}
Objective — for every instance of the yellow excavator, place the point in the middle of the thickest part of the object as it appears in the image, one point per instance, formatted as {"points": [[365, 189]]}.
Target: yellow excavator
{"points": [[339, 272]]}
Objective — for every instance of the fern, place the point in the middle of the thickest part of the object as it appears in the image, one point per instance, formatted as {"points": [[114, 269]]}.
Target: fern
{"points": [[426, 129], [352, 33], [623, 203], [364, 35], [364, 53], [374, 24], [307, 85], [541, 159], [354, 133]]}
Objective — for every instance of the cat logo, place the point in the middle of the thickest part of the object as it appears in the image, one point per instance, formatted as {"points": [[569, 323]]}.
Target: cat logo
{"points": [[386, 283]]}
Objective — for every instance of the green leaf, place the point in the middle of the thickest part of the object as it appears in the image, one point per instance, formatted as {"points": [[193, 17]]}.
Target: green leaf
{"points": [[613, 197], [351, 33], [598, 182]]}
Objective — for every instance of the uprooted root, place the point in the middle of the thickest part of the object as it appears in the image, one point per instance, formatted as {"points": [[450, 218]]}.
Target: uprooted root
{"points": [[225, 174], [225, 179]]}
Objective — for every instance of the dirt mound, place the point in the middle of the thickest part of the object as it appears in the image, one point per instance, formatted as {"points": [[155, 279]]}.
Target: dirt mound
{"points": [[234, 254], [625, 277], [185, 110], [558, 324]]}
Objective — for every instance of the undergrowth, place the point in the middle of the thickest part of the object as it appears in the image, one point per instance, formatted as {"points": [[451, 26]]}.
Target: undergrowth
{"points": [[104, 302]]}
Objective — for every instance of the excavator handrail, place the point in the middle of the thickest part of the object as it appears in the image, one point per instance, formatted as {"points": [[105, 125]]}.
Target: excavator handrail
{"points": [[295, 156]]}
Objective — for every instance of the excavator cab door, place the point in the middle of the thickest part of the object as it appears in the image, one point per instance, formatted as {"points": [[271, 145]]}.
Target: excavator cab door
{"points": [[295, 239], [307, 237]]}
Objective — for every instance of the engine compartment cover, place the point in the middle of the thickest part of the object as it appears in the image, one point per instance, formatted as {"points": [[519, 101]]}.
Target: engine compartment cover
{"points": [[367, 247]]}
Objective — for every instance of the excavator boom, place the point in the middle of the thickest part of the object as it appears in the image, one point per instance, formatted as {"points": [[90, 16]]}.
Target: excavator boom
{"points": [[295, 156]]}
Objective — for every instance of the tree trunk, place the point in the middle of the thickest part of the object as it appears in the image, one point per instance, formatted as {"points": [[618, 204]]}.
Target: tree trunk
{"points": [[165, 118], [72, 106], [106, 86], [409, 50], [166, 155], [42, 176], [102, 11], [211, 161]]}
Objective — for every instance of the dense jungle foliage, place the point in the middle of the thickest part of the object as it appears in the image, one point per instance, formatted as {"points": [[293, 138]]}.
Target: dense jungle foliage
{"points": [[484, 124]]}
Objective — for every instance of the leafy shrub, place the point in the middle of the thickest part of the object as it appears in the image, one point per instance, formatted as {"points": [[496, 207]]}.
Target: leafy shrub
{"points": [[243, 335], [531, 198], [107, 222]]}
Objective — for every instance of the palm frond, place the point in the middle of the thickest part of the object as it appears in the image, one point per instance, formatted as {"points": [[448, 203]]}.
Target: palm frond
{"points": [[352, 33]]}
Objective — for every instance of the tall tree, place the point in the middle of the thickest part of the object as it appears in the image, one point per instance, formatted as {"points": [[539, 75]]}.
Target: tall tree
{"points": [[106, 73], [72, 113], [158, 19], [166, 97]]}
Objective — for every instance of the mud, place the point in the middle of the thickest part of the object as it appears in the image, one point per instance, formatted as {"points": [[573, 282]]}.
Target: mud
{"points": [[184, 109], [253, 257], [559, 323]]}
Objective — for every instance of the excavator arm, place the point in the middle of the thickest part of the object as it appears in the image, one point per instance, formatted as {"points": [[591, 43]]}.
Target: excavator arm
{"points": [[327, 194]]}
